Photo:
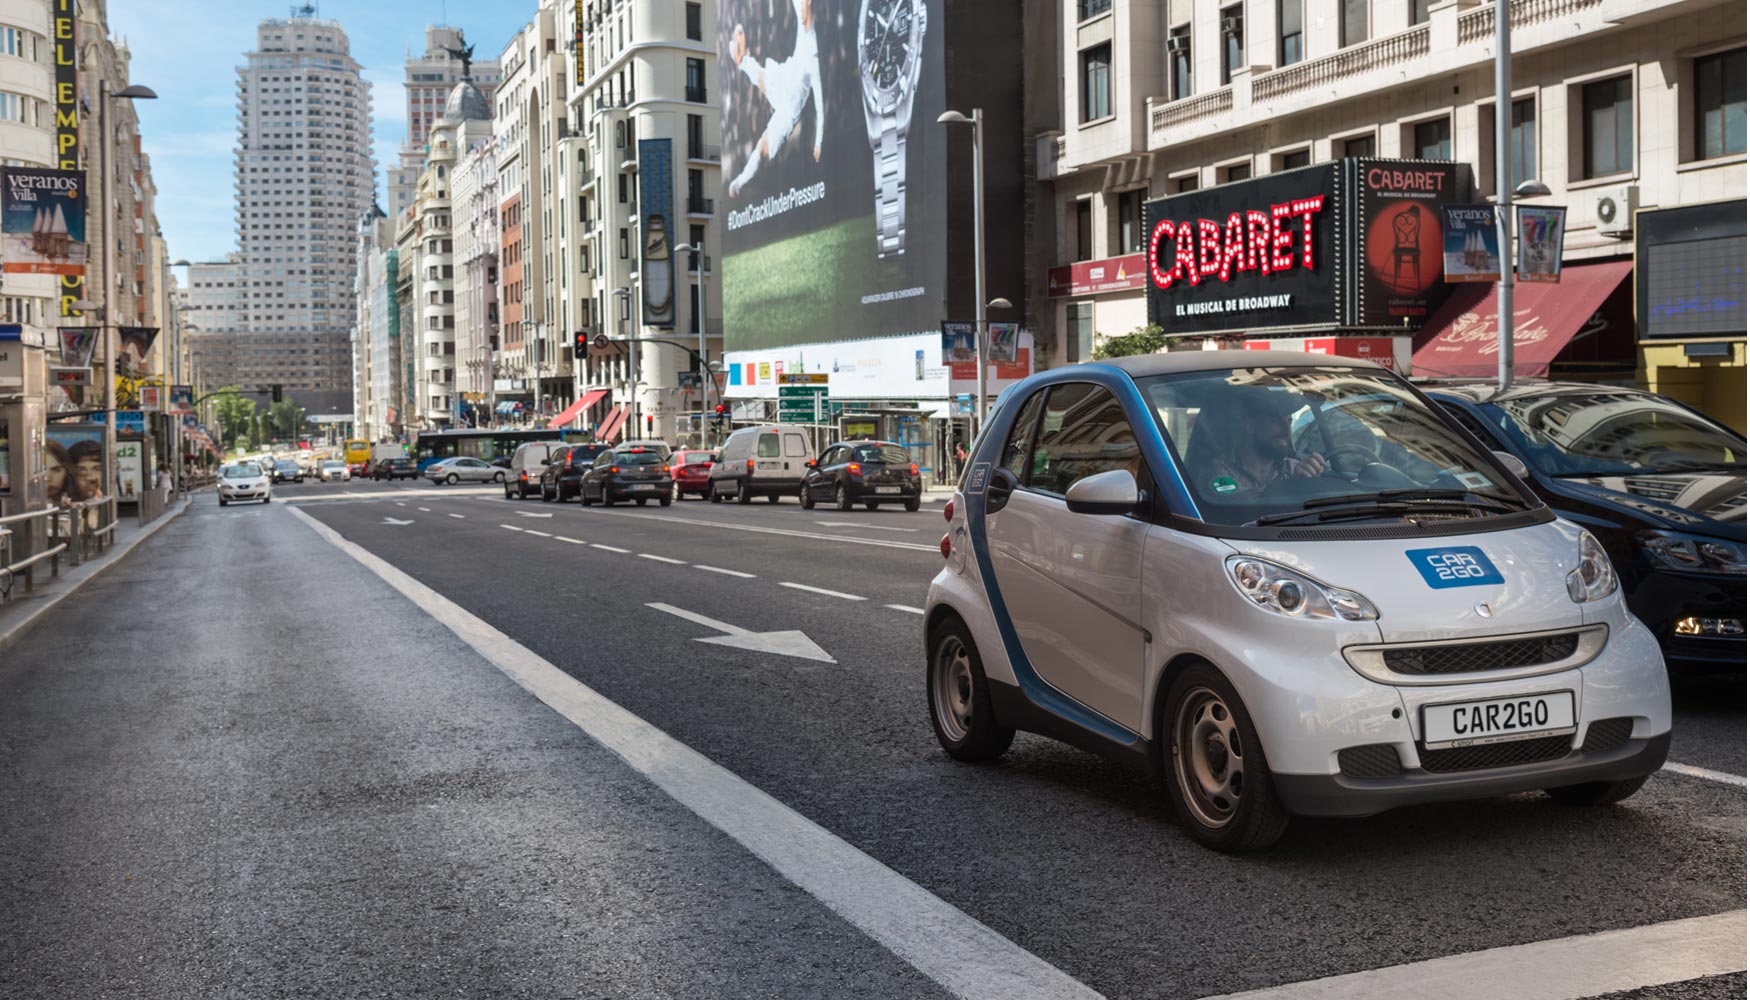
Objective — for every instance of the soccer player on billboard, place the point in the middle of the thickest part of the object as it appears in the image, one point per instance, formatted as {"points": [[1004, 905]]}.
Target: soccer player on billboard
{"points": [[787, 85]]}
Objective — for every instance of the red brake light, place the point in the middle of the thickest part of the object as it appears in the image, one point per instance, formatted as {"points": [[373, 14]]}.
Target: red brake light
{"points": [[855, 469], [914, 468], [947, 547], [948, 511]]}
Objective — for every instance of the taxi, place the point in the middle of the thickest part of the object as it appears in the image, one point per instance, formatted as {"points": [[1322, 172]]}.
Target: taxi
{"points": [[1287, 583]]}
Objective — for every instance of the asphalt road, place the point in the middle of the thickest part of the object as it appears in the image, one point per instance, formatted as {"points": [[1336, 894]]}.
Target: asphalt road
{"points": [[316, 784]]}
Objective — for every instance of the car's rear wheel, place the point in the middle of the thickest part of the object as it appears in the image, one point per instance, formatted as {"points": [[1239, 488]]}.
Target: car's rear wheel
{"points": [[498, 477], [1596, 793], [742, 493], [804, 496], [546, 497], [960, 707], [1217, 775], [665, 501], [913, 505], [674, 490], [841, 497], [608, 498], [583, 495]]}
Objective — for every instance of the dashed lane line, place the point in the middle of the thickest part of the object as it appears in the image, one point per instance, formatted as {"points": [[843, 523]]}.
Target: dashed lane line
{"points": [[510, 527], [463, 517], [540, 534], [822, 590], [574, 541], [608, 548], [426, 509], [965, 956], [662, 559], [725, 572], [906, 608], [758, 529], [1705, 774]]}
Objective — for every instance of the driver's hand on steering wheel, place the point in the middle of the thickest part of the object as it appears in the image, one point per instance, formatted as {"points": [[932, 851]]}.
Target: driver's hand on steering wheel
{"points": [[1309, 465]]}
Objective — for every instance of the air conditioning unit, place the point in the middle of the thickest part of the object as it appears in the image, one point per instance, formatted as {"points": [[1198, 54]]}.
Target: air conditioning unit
{"points": [[1233, 24], [1178, 43], [1614, 208]]}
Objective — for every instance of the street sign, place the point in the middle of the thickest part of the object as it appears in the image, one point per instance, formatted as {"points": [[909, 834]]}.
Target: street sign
{"points": [[802, 379], [804, 403]]}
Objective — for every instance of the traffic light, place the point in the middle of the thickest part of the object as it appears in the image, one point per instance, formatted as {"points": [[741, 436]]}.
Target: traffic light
{"points": [[649, 424], [277, 394], [721, 414], [580, 344]]}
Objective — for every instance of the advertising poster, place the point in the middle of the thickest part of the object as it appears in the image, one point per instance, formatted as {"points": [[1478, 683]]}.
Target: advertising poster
{"points": [[181, 400], [1540, 243], [73, 461], [42, 221], [656, 201], [1402, 204], [1005, 340], [130, 425], [66, 398], [1472, 243], [69, 110], [130, 470], [77, 344], [5, 457], [151, 398], [959, 344], [836, 208], [136, 346]]}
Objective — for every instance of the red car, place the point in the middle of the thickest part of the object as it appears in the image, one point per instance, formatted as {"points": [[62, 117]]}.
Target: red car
{"points": [[692, 472]]}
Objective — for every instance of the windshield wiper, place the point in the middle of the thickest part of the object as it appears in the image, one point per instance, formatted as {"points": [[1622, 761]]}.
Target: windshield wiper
{"points": [[1374, 508], [1415, 494]]}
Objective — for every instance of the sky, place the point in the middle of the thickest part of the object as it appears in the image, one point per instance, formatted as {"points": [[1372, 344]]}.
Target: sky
{"points": [[190, 130]]}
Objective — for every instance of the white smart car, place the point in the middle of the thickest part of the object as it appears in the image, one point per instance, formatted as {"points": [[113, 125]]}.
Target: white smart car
{"points": [[1290, 584]]}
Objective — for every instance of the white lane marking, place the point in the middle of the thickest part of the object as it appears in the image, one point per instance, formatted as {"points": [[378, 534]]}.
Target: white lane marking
{"points": [[510, 527], [390, 520], [965, 956], [1567, 968], [1705, 774], [822, 590], [608, 548], [906, 608], [531, 531], [725, 572], [530, 513], [574, 541], [398, 503], [664, 559], [859, 524], [787, 533], [461, 516], [426, 509], [783, 642]]}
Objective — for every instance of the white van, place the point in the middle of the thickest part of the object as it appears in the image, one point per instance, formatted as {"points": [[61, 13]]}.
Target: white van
{"points": [[756, 461], [523, 479]]}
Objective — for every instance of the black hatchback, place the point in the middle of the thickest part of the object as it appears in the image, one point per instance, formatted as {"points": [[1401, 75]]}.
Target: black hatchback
{"points": [[1660, 486], [565, 468], [634, 473], [867, 472]]}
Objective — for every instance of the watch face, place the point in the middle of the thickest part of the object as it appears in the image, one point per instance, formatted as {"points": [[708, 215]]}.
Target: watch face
{"points": [[887, 43]]}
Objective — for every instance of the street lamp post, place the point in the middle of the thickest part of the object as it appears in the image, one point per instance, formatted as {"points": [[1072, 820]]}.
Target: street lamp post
{"points": [[699, 313], [977, 123], [625, 297]]}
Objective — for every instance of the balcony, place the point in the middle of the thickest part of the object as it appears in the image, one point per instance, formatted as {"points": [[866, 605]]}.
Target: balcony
{"points": [[1342, 65], [704, 153], [700, 206], [696, 95]]}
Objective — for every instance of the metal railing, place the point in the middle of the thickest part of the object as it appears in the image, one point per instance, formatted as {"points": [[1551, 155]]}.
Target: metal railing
{"points": [[700, 206], [38, 536]]}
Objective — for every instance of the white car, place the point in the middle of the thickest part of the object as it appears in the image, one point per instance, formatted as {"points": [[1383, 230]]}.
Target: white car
{"points": [[463, 470], [244, 481], [333, 471], [1289, 583]]}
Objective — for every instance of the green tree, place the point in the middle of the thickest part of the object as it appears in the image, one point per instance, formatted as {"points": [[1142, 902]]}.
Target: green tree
{"points": [[236, 414], [288, 419], [1149, 339]]}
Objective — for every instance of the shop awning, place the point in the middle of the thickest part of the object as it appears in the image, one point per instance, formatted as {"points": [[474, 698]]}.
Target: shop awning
{"points": [[612, 425], [1462, 338], [570, 413], [508, 406]]}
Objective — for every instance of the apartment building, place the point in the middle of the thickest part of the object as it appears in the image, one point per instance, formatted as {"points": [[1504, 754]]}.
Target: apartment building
{"points": [[474, 215], [429, 79], [1624, 108]]}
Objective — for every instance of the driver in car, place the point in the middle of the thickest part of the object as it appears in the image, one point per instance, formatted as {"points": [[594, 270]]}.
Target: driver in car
{"points": [[1259, 449]]}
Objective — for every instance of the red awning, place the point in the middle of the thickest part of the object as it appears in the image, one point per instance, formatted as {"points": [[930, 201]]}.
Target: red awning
{"points": [[611, 426], [1463, 340], [570, 413]]}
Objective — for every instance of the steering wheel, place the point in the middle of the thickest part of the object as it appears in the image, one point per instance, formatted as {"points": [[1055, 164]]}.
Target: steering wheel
{"points": [[1366, 457]]}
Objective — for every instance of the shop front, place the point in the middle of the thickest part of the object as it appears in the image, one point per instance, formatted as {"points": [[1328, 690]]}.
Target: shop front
{"points": [[1580, 329], [1095, 298], [1689, 306]]}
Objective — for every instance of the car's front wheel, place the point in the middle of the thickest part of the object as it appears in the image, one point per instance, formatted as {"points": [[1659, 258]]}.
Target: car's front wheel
{"points": [[960, 707], [1596, 793], [913, 505], [498, 477], [804, 496], [711, 492], [1216, 773]]}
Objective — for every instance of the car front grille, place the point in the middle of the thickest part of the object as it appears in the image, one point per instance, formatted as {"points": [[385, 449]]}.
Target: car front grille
{"points": [[1607, 734], [1478, 758], [1470, 657], [1376, 760]]}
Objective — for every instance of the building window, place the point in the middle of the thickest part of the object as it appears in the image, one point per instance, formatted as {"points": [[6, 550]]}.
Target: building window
{"points": [[695, 22], [1179, 58], [1079, 337], [1233, 42], [1238, 172], [1522, 141], [695, 137], [696, 80], [1097, 82], [620, 184], [1354, 26], [1084, 229], [625, 243], [1185, 183], [1296, 159], [1608, 126], [1419, 11], [1292, 49], [1361, 145], [1433, 140], [1130, 220], [1719, 104], [1092, 8]]}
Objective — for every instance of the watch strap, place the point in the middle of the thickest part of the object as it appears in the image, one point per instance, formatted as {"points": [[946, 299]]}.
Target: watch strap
{"points": [[890, 192]]}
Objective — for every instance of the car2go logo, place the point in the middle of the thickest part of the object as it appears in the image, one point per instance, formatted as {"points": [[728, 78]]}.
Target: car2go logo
{"points": [[1459, 566]]}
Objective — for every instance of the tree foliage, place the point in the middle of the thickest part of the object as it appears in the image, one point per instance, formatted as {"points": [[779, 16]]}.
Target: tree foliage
{"points": [[236, 414], [1149, 339], [287, 418]]}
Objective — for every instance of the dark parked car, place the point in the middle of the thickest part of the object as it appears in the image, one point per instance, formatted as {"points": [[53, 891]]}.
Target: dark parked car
{"points": [[638, 474], [1660, 485], [867, 472], [692, 473], [287, 471], [395, 468], [565, 468]]}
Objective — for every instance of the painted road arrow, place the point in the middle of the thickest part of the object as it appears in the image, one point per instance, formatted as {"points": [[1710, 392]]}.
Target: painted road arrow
{"points": [[782, 643], [390, 520]]}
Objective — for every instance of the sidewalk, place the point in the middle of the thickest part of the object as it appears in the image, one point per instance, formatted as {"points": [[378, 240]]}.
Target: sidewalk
{"points": [[21, 614]]}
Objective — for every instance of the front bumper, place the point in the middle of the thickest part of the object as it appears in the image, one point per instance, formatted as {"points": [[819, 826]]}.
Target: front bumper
{"points": [[1341, 795], [1660, 598], [249, 494]]}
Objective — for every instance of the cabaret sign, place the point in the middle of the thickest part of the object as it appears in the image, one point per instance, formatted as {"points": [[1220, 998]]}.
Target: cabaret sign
{"points": [[1248, 241]]}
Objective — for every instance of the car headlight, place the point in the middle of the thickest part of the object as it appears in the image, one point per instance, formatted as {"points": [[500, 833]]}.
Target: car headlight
{"points": [[1593, 579], [1277, 588], [1691, 553]]}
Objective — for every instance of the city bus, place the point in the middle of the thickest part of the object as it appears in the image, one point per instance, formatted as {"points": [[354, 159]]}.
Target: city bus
{"points": [[358, 455], [484, 444]]}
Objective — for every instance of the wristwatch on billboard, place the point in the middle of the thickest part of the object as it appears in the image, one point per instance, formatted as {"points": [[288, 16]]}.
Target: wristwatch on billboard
{"points": [[890, 57]]}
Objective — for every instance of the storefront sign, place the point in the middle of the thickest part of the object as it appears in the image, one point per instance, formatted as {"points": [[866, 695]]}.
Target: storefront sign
{"points": [[1472, 244], [1096, 277], [64, 22], [1540, 243]]}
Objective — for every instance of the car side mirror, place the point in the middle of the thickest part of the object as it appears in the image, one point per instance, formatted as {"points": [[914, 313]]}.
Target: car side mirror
{"points": [[811, 463], [1104, 493], [1513, 464]]}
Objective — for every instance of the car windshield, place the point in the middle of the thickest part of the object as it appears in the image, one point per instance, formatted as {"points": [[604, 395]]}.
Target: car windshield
{"points": [[697, 458], [1258, 442], [637, 458], [241, 471], [890, 454], [288, 466], [1613, 434], [334, 465]]}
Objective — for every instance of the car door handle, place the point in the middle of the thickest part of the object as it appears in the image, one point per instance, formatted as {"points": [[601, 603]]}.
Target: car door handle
{"points": [[1002, 486]]}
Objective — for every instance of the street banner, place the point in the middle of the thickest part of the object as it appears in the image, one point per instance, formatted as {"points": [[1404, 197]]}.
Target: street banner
{"points": [[181, 400], [130, 424], [136, 345], [151, 398], [77, 344], [42, 221], [1005, 341], [1540, 242], [656, 200], [1471, 244], [959, 343]]}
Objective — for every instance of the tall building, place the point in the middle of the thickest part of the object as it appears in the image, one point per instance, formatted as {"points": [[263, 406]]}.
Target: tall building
{"points": [[474, 200], [304, 179], [216, 314], [429, 80]]}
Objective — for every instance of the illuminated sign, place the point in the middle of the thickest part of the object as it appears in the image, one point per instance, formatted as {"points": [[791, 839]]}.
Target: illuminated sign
{"points": [[1252, 241], [65, 25]]}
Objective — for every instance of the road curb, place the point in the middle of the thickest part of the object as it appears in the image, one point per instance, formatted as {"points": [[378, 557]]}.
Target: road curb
{"points": [[13, 634]]}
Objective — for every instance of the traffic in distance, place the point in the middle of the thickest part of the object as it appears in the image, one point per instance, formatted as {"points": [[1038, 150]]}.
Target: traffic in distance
{"points": [[1350, 592]]}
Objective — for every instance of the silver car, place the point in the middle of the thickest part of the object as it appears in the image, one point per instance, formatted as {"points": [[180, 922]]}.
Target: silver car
{"points": [[463, 470]]}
